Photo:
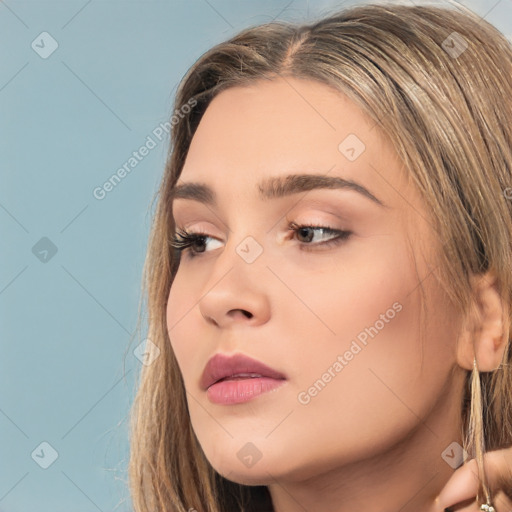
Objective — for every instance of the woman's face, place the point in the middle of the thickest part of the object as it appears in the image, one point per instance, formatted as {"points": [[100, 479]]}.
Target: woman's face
{"points": [[338, 316]]}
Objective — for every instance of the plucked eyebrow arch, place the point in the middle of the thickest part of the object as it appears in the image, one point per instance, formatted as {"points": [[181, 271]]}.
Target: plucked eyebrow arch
{"points": [[276, 187]]}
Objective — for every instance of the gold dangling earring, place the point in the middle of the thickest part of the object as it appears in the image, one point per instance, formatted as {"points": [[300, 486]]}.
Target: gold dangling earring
{"points": [[476, 435]]}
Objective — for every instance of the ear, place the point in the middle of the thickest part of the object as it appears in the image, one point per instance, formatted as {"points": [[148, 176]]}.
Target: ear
{"points": [[485, 332]]}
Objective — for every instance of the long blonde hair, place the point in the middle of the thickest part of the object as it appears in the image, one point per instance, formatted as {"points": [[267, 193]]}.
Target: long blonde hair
{"points": [[438, 82]]}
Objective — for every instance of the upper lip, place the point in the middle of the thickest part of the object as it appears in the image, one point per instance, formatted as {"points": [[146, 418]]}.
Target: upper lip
{"points": [[221, 366]]}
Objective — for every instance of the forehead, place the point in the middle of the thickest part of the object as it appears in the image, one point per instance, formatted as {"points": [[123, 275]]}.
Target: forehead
{"points": [[285, 118], [288, 126]]}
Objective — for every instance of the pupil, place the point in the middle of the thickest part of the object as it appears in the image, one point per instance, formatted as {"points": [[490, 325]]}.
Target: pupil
{"points": [[304, 232], [199, 242]]}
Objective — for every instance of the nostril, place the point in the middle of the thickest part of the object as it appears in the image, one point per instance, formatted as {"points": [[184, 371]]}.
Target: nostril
{"points": [[247, 314]]}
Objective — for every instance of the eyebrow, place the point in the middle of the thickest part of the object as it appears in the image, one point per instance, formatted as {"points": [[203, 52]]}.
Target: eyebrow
{"points": [[276, 187]]}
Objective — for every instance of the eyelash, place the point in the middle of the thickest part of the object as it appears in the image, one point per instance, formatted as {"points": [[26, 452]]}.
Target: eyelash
{"points": [[183, 240]]}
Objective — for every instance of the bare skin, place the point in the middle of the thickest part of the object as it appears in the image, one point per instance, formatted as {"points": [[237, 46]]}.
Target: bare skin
{"points": [[373, 436]]}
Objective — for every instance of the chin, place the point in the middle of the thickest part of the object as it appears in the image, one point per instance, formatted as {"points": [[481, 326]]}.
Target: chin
{"points": [[246, 466]]}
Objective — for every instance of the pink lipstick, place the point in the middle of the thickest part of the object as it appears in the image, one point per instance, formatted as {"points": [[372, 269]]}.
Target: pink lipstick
{"points": [[236, 379]]}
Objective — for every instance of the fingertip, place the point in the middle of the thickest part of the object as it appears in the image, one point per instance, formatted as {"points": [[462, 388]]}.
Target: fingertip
{"points": [[462, 485]]}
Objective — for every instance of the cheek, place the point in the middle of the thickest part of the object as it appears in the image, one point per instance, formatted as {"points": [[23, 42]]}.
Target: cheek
{"points": [[373, 376], [352, 295]]}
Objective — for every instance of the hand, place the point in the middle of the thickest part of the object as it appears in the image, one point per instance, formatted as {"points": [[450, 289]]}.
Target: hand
{"points": [[459, 493]]}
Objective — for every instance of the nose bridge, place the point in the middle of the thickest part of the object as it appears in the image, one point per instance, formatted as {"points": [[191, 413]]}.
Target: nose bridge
{"points": [[244, 249], [237, 283]]}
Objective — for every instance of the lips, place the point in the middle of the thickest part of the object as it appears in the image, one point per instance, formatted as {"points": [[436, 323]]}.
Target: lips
{"points": [[237, 367]]}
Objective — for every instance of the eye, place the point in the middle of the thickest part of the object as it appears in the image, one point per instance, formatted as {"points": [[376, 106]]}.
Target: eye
{"points": [[195, 242], [307, 233]]}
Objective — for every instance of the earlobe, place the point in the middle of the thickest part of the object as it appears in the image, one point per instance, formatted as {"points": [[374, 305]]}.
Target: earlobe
{"points": [[485, 332]]}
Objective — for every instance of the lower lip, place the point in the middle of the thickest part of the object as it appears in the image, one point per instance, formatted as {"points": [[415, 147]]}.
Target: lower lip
{"points": [[229, 392]]}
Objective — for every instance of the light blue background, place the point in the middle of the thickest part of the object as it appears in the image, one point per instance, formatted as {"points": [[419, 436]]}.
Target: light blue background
{"points": [[68, 122]]}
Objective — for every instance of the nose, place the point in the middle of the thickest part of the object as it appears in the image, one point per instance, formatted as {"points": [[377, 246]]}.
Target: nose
{"points": [[236, 292]]}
